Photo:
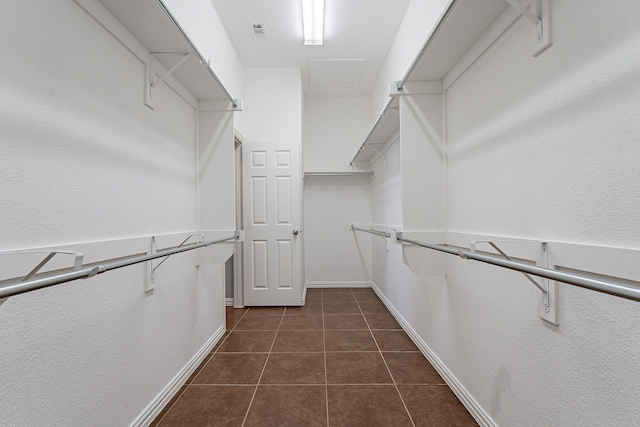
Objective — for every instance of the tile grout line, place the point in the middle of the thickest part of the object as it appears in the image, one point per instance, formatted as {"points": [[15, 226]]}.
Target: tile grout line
{"points": [[209, 356], [315, 384], [324, 344], [219, 345], [184, 387], [246, 415], [386, 365]]}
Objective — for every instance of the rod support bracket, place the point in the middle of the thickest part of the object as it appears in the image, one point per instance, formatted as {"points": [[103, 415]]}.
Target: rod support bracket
{"points": [[548, 301], [538, 15], [237, 105], [151, 269], [547, 297], [151, 272]]}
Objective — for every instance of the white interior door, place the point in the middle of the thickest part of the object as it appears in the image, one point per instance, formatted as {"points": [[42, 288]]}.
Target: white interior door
{"points": [[272, 218]]}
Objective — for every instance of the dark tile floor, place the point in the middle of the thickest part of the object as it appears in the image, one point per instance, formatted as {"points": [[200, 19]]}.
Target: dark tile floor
{"points": [[341, 360]]}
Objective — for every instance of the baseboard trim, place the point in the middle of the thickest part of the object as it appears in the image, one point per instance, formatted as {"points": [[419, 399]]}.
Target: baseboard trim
{"points": [[354, 284], [160, 401], [228, 302], [472, 405]]}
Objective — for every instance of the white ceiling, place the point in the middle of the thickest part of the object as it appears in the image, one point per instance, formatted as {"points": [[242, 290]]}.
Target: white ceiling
{"points": [[353, 30]]}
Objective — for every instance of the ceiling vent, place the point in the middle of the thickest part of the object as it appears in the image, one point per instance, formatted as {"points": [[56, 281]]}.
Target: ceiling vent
{"points": [[258, 30]]}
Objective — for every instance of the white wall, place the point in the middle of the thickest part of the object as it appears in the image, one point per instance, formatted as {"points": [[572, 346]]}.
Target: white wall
{"points": [[216, 165], [418, 22], [386, 187], [272, 105], [83, 160], [334, 255], [555, 141], [333, 129], [542, 148]]}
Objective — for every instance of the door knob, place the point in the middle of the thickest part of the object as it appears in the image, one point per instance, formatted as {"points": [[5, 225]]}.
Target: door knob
{"points": [[295, 232]]}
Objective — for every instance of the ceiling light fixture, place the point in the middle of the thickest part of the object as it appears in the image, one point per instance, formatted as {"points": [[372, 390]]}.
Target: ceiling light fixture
{"points": [[313, 21]]}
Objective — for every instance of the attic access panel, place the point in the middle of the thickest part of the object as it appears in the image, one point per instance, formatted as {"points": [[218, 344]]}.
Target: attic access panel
{"points": [[335, 75]]}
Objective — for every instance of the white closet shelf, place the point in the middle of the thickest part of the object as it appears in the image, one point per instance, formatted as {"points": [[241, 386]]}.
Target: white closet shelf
{"points": [[385, 126], [151, 23], [460, 26], [340, 173]]}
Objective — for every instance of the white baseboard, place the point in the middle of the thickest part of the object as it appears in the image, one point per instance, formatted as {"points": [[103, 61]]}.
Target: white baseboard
{"points": [[472, 405], [160, 401], [354, 284], [228, 302]]}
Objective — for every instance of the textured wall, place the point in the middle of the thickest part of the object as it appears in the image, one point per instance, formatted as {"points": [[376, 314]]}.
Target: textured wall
{"points": [[82, 159], [333, 130], [546, 148], [334, 255], [272, 111], [541, 148]]}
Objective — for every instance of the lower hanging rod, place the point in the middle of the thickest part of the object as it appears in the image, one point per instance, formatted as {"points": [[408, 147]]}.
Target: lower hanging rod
{"points": [[371, 231], [611, 288], [32, 285]]}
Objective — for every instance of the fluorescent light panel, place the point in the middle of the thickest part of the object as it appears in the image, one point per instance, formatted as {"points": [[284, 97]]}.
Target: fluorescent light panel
{"points": [[313, 21]]}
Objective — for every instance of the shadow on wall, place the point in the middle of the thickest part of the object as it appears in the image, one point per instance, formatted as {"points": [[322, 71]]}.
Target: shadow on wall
{"points": [[575, 90], [363, 262], [501, 385]]}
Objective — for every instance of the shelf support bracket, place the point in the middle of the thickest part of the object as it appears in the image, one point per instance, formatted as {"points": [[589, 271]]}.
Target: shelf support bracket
{"points": [[538, 14], [535, 19], [77, 263], [151, 269], [548, 297], [185, 56], [151, 83], [543, 288]]}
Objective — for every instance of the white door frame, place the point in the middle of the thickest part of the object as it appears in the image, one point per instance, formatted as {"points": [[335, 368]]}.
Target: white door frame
{"points": [[238, 262]]}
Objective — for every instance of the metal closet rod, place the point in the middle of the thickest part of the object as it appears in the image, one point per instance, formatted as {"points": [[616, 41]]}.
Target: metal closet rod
{"points": [[346, 173], [197, 53], [375, 125], [611, 288], [32, 285], [371, 231]]}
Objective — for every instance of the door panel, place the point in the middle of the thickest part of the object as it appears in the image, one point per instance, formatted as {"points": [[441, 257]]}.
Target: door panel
{"points": [[273, 245], [283, 197], [284, 252], [259, 200], [260, 264]]}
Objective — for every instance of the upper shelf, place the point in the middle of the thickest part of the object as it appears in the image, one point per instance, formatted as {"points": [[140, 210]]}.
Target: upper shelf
{"points": [[153, 25], [459, 27], [383, 129]]}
